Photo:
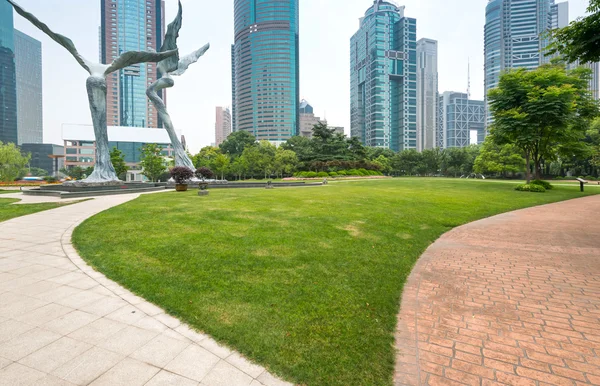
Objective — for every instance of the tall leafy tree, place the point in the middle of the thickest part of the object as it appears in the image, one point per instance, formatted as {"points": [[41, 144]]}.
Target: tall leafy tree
{"points": [[285, 161], [118, 160], [302, 146], [579, 40], [221, 164], [266, 158], [152, 161], [236, 142], [206, 157], [543, 112], [12, 162], [496, 159]]}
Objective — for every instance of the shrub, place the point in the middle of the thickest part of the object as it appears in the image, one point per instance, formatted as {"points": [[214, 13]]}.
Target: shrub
{"points": [[181, 174], [546, 185], [322, 174], [530, 188], [333, 174], [341, 173], [363, 172], [311, 175], [589, 178], [204, 172], [352, 172], [558, 178], [50, 179]]}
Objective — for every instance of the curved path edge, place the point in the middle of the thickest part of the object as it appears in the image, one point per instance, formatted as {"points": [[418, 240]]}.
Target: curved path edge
{"points": [[63, 323], [509, 300]]}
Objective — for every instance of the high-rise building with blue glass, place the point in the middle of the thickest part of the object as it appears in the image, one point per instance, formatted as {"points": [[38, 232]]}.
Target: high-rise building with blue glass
{"points": [[265, 68], [515, 35], [30, 117], [8, 81], [383, 71], [131, 25]]}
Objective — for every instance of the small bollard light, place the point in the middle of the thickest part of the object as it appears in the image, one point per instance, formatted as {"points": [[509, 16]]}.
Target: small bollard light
{"points": [[581, 183], [269, 185]]}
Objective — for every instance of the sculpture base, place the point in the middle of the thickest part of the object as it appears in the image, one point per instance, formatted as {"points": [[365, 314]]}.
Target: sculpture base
{"points": [[78, 189], [84, 184], [203, 192]]}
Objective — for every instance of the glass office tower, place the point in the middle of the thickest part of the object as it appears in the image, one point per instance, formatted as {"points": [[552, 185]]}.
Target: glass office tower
{"points": [[8, 81], [265, 68], [131, 25], [383, 71], [28, 60], [514, 35]]}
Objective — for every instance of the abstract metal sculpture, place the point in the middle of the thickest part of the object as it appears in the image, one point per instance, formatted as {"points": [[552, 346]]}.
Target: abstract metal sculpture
{"points": [[168, 68], [104, 171]]}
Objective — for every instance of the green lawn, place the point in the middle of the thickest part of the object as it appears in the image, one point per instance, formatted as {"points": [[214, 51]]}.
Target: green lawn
{"points": [[8, 211], [304, 281]]}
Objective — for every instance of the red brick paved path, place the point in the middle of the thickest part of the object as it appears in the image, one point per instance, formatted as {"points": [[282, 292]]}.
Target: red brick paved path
{"points": [[510, 300]]}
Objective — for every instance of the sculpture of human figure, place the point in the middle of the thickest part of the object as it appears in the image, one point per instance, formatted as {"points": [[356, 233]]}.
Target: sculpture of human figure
{"points": [[168, 68], [104, 172]]}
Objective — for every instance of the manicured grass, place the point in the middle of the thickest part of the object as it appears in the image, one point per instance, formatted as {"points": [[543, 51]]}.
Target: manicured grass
{"points": [[8, 211], [304, 281]]}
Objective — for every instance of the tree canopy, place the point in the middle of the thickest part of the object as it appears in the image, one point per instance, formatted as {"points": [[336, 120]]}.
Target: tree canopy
{"points": [[152, 161], [12, 162], [579, 40]]}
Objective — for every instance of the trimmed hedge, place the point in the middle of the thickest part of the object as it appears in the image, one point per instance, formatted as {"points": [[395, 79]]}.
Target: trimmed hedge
{"points": [[530, 188]]}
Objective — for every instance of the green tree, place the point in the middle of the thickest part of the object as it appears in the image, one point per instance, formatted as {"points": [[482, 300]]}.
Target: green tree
{"points": [[12, 162], [221, 164], [206, 157], [266, 159], [406, 162], [496, 159], [239, 167], [431, 160], [74, 172], [302, 146], [579, 40], [37, 172], [285, 161], [384, 163], [118, 160], [543, 112], [152, 161], [236, 143]]}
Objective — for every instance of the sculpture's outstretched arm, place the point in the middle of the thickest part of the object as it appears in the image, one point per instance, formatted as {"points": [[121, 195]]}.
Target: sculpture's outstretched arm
{"points": [[134, 57], [190, 59], [60, 39], [170, 43]]}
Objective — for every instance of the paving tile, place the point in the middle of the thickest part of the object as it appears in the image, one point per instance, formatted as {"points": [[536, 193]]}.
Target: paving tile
{"points": [[128, 372], [193, 363], [149, 323], [36, 288], [70, 322], [215, 348], [127, 314], [165, 378], [80, 299], [23, 305], [11, 328], [224, 374], [104, 306], [97, 331], [87, 366], [127, 340], [245, 365], [159, 351], [269, 380], [55, 354], [27, 343], [57, 294], [4, 362], [51, 380], [44, 314], [19, 375]]}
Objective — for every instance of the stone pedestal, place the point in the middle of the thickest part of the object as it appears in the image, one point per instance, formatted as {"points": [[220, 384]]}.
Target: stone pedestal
{"points": [[203, 192]]}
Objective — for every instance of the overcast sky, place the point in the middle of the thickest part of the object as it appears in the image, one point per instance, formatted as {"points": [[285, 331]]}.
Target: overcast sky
{"points": [[325, 30]]}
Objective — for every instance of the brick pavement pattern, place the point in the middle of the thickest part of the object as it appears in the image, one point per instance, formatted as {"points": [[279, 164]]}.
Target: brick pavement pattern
{"points": [[62, 323], [509, 300]]}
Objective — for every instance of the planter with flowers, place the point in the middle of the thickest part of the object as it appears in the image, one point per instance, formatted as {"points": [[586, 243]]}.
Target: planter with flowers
{"points": [[181, 175]]}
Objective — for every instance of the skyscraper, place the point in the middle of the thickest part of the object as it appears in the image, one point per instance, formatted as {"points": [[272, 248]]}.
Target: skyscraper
{"points": [[30, 117], [8, 81], [131, 25], [265, 68], [514, 35], [222, 125], [427, 93], [383, 72], [458, 116]]}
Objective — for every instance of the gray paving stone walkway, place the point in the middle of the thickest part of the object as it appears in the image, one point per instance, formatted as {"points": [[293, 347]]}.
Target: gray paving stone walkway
{"points": [[62, 323]]}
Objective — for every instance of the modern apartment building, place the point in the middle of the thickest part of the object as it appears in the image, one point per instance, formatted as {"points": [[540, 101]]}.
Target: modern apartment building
{"points": [[222, 125], [383, 71], [514, 35], [131, 25], [458, 117], [427, 93], [265, 68], [8, 79], [308, 120], [30, 117]]}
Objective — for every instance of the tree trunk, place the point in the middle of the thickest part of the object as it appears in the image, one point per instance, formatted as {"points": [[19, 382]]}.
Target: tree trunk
{"points": [[528, 167]]}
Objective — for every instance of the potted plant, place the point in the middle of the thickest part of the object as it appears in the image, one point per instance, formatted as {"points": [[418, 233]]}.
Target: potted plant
{"points": [[204, 172], [181, 175]]}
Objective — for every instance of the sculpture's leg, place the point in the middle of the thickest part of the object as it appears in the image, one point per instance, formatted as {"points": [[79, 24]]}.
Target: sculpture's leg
{"points": [[103, 170], [181, 157]]}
